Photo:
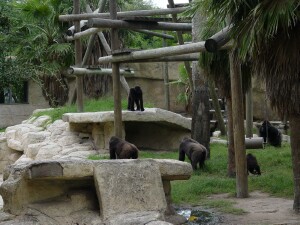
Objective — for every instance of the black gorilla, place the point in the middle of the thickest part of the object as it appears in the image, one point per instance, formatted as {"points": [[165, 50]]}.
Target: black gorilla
{"points": [[121, 149], [270, 134], [252, 165], [135, 96], [213, 128], [194, 151]]}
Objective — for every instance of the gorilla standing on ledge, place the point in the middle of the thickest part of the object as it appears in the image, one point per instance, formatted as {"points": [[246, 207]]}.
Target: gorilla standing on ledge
{"points": [[270, 134], [194, 151], [121, 149], [135, 96]]}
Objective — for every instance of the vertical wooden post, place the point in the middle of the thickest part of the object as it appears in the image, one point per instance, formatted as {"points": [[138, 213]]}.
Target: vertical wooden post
{"points": [[249, 112], [78, 59], [238, 127], [166, 80], [116, 73]]}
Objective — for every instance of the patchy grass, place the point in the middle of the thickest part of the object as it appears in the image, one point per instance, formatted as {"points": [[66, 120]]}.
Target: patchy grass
{"points": [[276, 178]]}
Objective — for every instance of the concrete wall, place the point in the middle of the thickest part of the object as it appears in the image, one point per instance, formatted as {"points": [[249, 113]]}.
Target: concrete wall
{"points": [[12, 114]]}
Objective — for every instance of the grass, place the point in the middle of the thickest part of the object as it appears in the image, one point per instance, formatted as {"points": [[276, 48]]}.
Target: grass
{"points": [[276, 178], [102, 104]]}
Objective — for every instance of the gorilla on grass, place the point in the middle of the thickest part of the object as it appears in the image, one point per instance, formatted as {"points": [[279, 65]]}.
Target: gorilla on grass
{"points": [[270, 134], [121, 149], [194, 151], [252, 165], [135, 97]]}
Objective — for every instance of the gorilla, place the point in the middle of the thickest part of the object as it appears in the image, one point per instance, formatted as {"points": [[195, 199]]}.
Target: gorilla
{"points": [[194, 151], [270, 134], [252, 165], [121, 149], [135, 96]]}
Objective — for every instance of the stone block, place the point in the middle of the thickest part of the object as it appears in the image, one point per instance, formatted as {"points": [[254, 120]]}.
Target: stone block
{"points": [[129, 186]]}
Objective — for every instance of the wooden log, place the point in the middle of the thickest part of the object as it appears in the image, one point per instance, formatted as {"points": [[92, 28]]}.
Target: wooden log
{"points": [[152, 12], [155, 53], [254, 143], [177, 58], [79, 35], [152, 33], [215, 42], [98, 71], [120, 24]]}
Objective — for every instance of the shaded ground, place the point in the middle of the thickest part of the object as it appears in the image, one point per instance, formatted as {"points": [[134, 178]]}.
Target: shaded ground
{"points": [[260, 209]]}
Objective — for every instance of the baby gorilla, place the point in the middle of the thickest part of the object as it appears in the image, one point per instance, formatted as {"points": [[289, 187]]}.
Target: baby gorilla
{"points": [[135, 96], [194, 151], [252, 165], [121, 149]]}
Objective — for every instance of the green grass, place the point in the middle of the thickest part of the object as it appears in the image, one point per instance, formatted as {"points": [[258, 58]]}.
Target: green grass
{"points": [[102, 104], [276, 178]]}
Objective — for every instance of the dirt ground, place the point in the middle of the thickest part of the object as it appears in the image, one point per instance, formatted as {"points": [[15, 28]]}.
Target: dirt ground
{"points": [[260, 209]]}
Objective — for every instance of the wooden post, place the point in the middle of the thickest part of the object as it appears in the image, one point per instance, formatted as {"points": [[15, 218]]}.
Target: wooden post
{"points": [[166, 80], [216, 104], [238, 127], [249, 112], [187, 65], [116, 73], [78, 60]]}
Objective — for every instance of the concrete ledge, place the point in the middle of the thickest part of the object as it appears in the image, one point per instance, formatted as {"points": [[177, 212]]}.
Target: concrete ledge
{"points": [[140, 128], [48, 186]]}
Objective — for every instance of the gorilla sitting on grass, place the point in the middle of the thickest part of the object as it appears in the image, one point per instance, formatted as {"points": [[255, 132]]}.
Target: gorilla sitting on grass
{"points": [[252, 165], [194, 151], [121, 149], [270, 134]]}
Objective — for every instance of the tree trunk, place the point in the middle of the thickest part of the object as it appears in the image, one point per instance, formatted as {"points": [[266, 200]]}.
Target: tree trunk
{"points": [[238, 126], [295, 146], [231, 156], [200, 116]]}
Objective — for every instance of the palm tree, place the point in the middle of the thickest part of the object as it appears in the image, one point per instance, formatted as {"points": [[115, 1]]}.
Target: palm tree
{"points": [[39, 44], [267, 32]]}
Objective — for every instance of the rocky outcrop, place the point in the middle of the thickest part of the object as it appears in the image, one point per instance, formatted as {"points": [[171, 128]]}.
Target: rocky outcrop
{"points": [[39, 139], [110, 192]]}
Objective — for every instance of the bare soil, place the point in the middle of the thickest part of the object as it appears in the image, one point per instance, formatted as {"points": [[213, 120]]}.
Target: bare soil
{"points": [[260, 209]]}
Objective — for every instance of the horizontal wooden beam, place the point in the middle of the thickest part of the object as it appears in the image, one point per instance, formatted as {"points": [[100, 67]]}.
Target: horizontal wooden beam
{"points": [[177, 58], [120, 24], [96, 71], [155, 53], [156, 12], [215, 42], [152, 33], [158, 53]]}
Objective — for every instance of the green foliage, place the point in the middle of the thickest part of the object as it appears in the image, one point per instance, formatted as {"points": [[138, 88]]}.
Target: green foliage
{"points": [[183, 80]]}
